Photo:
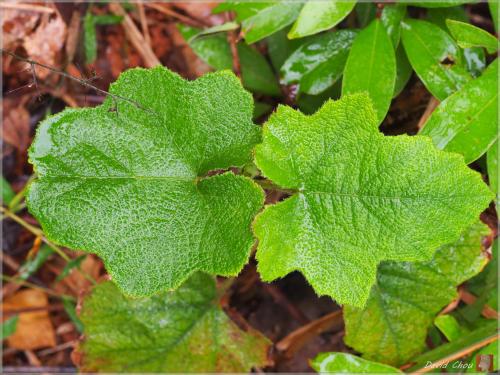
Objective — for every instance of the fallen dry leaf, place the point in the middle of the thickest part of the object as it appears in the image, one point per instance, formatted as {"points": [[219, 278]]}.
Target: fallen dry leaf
{"points": [[34, 329], [16, 25], [16, 124], [45, 44]]}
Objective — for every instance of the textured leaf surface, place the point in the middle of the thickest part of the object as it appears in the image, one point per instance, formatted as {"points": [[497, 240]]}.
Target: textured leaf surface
{"points": [[360, 198], [316, 65], [318, 16], [181, 331], [468, 35], [256, 74], [492, 164], [343, 363], [129, 184], [466, 122], [435, 57], [371, 67], [393, 325]]}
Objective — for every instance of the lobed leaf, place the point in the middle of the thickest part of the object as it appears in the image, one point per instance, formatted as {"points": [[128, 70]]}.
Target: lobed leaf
{"points": [[435, 57], [181, 331], [392, 327], [359, 198], [371, 67], [130, 183], [465, 122]]}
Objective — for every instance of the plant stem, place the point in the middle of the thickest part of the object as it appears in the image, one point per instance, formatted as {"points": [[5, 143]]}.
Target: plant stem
{"points": [[37, 287]]}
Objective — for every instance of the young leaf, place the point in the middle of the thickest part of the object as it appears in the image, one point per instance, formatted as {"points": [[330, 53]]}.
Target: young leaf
{"points": [[391, 18], [403, 71], [407, 296], [468, 35], [32, 265], [343, 363], [435, 57], [466, 121], [270, 19], [492, 164], [182, 331], [318, 16], [317, 65], [9, 326], [360, 198], [128, 180], [449, 326], [7, 192], [371, 67], [256, 73]]}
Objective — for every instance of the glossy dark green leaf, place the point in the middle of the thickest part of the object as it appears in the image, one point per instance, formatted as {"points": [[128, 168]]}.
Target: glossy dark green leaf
{"points": [[228, 26], [343, 363], [185, 331], [492, 163], [309, 104], [29, 267], [345, 216], [318, 16], [392, 327], [279, 47], [468, 35], [128, 180], [475, 59], [466, 344], [243, 9], [270, 19], [7, 192], [256, 74], [317, 65], [403, 70], [391, 18], [9, 326], [371, 67], [261, 109], [466, 121], [435, 57], [365, 13]]}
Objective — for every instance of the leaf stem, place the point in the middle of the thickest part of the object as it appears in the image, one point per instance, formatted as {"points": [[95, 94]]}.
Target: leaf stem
{"points": [[37, 287]]}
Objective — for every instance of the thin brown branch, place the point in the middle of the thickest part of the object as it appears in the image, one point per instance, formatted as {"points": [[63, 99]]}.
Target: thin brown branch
{"points": [[468, 298], [172, 13], [83, 82], [144, 23], [27, 8], [431, 106]]}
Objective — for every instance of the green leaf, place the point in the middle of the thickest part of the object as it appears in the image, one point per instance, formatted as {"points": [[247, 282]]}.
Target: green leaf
{"points": [[466, 121], [403, 70], [9, 326], [371, 68], [29, 267], [269, 20], [7, 192], [359, 198], [343, 363], [318, 16], [391, 18], [453, 349], [228, 26], [182, 331], [257, 75], [365, 13], [449, 326], [407, 296], [130, 183], [107, 19], [309, 104], [440, 4], [468, 35], [492, 163], [317, 65], [435, 57], [279, 47], [89, 38], [243, 9]]}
